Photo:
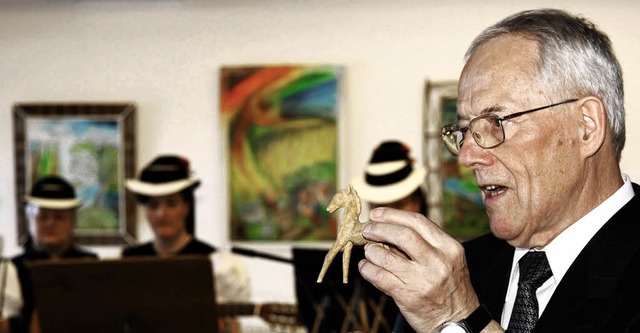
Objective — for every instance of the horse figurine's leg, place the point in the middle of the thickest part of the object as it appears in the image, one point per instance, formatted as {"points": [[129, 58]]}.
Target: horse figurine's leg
{"points": [[346, 258], [349, 231], [335, 248]]}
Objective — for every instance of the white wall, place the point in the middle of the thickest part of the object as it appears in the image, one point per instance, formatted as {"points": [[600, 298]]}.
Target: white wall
{"points": [[165, 56]]}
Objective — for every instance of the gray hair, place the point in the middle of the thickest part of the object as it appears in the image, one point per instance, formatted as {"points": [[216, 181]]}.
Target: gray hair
{"points": [[575, 58]]}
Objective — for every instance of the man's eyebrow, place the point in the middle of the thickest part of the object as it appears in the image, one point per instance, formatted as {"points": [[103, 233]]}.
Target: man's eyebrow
{"points": [[492, 109], [489, 110]]}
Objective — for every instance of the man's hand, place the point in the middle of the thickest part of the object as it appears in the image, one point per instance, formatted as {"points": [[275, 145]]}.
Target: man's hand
{"points": [[424, 271]]}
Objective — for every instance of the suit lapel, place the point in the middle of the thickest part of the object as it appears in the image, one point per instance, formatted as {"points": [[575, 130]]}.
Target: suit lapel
{"points": [[495, 281], [490, 267], [589, 291]]}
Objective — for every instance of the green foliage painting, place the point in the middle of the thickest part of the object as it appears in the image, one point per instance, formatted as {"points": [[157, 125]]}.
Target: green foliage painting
{"points": [[464, 213], [85, 152]]}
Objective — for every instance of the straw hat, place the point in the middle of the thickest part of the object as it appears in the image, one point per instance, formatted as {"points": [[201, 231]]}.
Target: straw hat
{"points": [[163, 176], [390, 175], [53, 192]]}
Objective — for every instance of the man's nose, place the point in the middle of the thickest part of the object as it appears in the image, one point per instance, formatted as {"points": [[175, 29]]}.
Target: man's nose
{"points": [[471, 154], [48, 221]]}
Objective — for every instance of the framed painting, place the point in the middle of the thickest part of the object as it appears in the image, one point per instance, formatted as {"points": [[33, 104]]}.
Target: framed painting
{"points": [[454, 200], [281, 133], [90, 145]]}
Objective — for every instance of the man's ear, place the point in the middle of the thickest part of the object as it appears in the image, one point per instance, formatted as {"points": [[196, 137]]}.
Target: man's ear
{"points": [[594, 126]]}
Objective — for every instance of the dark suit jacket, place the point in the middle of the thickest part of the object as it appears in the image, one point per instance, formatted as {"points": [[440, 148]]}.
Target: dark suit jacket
{"points": [[599, 293]]}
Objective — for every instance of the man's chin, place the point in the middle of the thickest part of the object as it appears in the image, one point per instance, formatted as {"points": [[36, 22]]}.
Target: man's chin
{"points": [[503, 230], [51, 246]]}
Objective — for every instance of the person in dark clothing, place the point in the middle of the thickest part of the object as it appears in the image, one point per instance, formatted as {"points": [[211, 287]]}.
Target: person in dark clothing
{"points": [[392, 180], [51, 213], [165, 188], [541, 123]]}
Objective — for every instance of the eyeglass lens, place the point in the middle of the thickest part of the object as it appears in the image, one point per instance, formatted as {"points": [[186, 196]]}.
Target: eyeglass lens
{"points": [[486, 131]]}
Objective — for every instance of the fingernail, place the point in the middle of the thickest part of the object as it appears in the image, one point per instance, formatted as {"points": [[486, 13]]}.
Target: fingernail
{"points": [[366, 229], [377, 212]]}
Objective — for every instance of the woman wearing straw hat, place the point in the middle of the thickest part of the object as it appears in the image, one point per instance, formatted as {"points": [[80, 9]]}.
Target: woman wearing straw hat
{"points": [[165, 189], [390, 179], [51, 213]]}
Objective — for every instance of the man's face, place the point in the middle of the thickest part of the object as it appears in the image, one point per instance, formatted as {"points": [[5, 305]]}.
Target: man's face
{"points": [[530, 181], [53, 227]]}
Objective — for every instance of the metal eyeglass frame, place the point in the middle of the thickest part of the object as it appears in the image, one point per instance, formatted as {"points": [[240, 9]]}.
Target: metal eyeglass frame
{"points": [[453, 135]]}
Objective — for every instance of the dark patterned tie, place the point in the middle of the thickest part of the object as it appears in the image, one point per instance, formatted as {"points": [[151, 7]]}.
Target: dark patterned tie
{"points": [[534, 271]]}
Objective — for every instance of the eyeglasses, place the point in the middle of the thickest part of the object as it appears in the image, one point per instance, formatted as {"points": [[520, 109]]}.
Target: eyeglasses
{"points": [[486, 130]]}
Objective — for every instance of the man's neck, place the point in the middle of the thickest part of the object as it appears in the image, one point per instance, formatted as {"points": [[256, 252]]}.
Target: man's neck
{"points": [[54, 252]]}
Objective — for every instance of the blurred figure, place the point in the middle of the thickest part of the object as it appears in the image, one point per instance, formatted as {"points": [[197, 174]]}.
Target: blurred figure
{"points": [[51, 214], [165, 188], [166, 191], [10, 294], [390, 179]]}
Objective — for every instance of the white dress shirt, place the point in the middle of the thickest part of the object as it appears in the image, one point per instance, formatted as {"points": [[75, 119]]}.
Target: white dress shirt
{"points": [[564, 249]]}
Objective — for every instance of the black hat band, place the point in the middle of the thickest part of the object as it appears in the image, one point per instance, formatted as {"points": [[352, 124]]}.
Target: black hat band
{"points": [[53, 187], [390, 178], [163, 173]]}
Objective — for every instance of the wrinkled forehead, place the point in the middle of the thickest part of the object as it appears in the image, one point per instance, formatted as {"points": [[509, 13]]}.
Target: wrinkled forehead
{"points": [[500, 74]]}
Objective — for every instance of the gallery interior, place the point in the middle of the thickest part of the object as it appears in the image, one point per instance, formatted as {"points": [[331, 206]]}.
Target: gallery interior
{"points": [[170, 61]]}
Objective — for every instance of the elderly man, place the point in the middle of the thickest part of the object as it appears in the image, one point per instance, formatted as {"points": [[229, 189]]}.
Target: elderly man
{"points": [[541, 124], [51, 212]]}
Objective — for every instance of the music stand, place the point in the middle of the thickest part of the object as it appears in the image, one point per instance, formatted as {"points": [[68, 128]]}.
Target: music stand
{"points": [[146, 295], [332, 306]]}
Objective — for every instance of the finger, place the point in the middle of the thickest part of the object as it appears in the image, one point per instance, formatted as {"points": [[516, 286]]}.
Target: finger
{"points": [[380, 278], [428, 229], [393, 261], [398, 251], [404, 238]]}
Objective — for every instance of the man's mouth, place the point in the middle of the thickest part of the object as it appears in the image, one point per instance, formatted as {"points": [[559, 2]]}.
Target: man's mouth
{"points": [[493, 190]]}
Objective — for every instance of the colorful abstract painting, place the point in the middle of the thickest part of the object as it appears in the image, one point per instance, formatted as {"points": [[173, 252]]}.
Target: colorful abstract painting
{"points": [[281, 133], [464, 213]]}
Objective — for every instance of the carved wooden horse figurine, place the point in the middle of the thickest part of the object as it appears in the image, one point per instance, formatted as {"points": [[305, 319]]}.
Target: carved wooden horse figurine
{"points": [[349, 230]]}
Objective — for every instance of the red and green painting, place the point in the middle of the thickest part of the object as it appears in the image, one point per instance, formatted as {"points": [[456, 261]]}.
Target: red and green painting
{"points": [[281, 130]]}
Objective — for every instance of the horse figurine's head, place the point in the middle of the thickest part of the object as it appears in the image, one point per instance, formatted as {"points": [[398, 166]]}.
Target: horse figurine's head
{"points": [[346, 196]]}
